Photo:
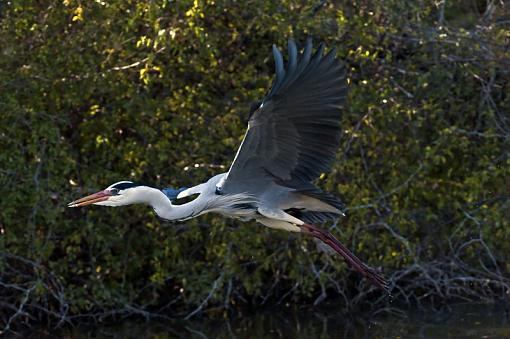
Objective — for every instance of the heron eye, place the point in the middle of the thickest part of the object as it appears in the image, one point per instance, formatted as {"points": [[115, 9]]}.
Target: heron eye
{"points": [[114, 191]]}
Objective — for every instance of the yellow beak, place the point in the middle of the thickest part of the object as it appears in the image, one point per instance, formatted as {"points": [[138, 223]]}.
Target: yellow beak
{"points": [[90, 199]]}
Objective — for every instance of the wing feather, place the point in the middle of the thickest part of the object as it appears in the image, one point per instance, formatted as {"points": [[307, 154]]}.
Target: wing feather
{"points": [[294, 134]]}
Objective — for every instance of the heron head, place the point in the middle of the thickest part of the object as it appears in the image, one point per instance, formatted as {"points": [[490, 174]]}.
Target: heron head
{"points": [[119, 194]]}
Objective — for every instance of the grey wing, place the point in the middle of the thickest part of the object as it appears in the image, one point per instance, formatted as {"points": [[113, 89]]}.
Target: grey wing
{"points": [[294, 134]]}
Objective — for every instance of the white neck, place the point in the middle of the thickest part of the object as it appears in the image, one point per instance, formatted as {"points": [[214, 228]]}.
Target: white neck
{"points": [[166, 210], [159, 202]]}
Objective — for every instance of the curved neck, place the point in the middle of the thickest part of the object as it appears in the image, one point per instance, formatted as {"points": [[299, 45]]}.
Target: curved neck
{"points": [[166, 210]]}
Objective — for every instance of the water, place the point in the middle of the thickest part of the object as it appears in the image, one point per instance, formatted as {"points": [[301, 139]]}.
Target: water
{"points": [[461, 321]]}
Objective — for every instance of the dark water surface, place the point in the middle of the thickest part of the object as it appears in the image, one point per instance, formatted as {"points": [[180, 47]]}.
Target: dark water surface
{"points": [[460, 321]]}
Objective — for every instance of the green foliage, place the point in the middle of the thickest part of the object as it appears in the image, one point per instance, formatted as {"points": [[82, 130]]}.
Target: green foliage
{"points": [[93, 92]]}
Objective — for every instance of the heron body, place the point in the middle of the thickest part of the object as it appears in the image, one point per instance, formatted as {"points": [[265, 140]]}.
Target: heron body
{"points": [[292, 137]]}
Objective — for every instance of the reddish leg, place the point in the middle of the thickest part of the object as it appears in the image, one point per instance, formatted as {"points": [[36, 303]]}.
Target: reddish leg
{"points": [[374, 276]]}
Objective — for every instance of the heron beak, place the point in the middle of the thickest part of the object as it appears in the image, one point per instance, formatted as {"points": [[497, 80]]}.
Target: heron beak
{"points": [[90, 199]]}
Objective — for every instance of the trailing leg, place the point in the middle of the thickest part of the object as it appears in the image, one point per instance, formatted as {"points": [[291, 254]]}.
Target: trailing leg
{"points": [[325, 236]]}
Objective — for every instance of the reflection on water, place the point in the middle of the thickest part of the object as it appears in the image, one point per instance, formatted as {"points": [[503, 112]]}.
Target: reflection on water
{"points": [[461, 321]]}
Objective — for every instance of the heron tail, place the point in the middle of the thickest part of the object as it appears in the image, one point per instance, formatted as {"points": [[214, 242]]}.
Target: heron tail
{"points": [[325, 236]]}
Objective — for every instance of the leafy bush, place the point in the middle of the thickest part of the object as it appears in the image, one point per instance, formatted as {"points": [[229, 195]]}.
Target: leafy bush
{"points": [[93, 92]]}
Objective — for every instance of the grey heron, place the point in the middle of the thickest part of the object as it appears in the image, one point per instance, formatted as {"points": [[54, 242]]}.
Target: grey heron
{"points": [[292, 137]]}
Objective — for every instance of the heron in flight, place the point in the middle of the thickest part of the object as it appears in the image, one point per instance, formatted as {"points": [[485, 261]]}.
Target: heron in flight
{"points": [[292, 137]]}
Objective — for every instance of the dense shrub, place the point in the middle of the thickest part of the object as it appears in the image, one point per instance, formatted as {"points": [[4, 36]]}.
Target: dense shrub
{"points": [[93, 92]]}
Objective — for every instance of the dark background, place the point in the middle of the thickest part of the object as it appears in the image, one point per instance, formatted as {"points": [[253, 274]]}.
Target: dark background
{"points": [[94, 92]]}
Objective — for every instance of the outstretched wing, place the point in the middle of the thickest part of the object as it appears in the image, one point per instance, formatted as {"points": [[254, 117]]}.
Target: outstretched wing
{"points": [[294, 134]]}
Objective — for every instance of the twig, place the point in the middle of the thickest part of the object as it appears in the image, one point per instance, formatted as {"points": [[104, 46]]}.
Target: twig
{"points": [[209, 296]]}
